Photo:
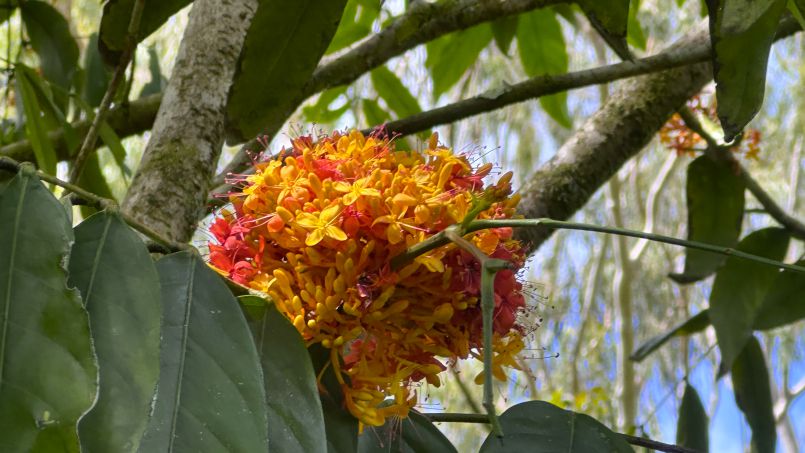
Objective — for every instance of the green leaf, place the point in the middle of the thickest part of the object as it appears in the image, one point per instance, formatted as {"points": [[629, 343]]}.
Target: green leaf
{"points": [[503, 31], [97, 76], [116, 18], [285, 42], [392, 90], [93, 180], [739, 289], [35, 129], [784, 303], [154, 85], [341, 427], [374, 114], [356, 23], [210, 396], [696, 323], [741, 32], [49, 375], [409, 435], [538, 426], [542, 52], [112, 141], [112, 268], [255, 309], [797, 9], [715, 212], [8, 9], [610, 18], [50, 38], [295, 417], [692, 426], [320, 112], [750, 380], [450, 56], [634, 33]]}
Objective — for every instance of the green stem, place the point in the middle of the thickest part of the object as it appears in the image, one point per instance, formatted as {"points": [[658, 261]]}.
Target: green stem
{"points": [[489, 268], [7, 163]]}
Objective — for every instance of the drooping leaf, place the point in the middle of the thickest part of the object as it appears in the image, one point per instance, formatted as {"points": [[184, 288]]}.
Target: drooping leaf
{"points": [[797, 9], [284, 43], [210, 395], [154, 85], [739, 289], [542, 51], [634, 32], [410, 435], [503, 31], [50, 38], [8, 8], [392, 90], [692, 430], [750, 380], [113, 270], [374, 114], [696, 323], [112, 141], [116, 18], [538, 426], [450, 56], [96, 74], [715, 197], [341, 427], [741, 32], [610, 19], [48, 367], [53, 114], [295, 417], [785, 301], [93, 179], [320, 112], [356, 23], [35, 129]]}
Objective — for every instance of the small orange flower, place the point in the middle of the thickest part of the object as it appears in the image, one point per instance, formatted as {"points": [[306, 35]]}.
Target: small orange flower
{"points": [[322, 225]]}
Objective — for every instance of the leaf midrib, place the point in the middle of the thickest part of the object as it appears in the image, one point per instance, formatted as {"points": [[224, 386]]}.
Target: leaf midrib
{"points": [[12, 259], [183, 352]]}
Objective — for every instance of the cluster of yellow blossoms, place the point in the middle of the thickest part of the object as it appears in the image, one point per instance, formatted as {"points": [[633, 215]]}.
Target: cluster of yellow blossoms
{"points": [[317, 228]]}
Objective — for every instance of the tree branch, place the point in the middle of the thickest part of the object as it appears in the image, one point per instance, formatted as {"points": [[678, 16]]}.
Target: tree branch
{"points": [[88, 146]]}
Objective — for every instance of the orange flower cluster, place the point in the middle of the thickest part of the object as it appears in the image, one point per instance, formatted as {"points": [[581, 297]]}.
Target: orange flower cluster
{"points": [[317, 229], [676, 135]]}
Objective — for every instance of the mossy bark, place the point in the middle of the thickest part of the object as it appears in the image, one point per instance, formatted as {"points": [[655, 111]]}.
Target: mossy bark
{"points": [[170, 187]]}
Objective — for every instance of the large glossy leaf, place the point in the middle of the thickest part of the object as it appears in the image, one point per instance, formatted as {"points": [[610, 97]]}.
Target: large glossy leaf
{"points": [[785, 301], [538, 426], [284, 43], [50, 37], [450, 56], [341, 427], [696, 323], [295, 417], [116, 18], [392, 90], [410, 435], [35, 129], [210, 396], [610, 18], [47, 367], [715, 211], [542, 51], [112, 268], [692, 428], [741, 32], [739, 289], [750, 380]]}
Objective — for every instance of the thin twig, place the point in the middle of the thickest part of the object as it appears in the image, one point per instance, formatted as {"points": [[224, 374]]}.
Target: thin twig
{"points": [[91, 199], [88, 146], [721, 153], [482, 418]]}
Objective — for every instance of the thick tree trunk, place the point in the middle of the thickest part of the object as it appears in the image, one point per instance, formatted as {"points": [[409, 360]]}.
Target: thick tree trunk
{"points": [[170, 187], [627, 121]]}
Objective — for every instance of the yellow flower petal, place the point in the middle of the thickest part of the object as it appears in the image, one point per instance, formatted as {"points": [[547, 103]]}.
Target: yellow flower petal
{"points": [[314, 237], [336, 233]]}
